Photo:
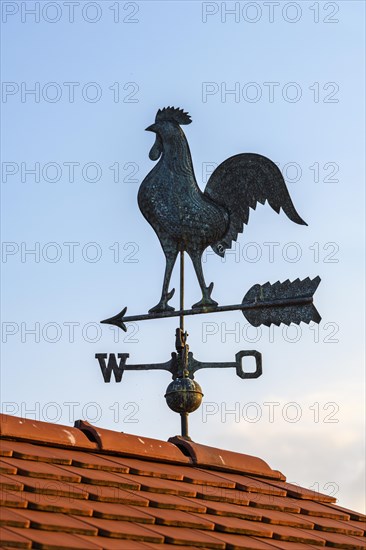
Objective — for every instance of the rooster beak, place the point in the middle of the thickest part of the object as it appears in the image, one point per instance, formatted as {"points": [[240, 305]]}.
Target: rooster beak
{"points": [[151, 128]]}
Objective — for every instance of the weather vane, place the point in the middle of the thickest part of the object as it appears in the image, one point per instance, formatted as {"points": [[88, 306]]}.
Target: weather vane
{"points": [[186, 219]]}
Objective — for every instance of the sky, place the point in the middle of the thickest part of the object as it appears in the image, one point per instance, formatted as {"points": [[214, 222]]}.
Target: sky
{"points": [[80, 83]]}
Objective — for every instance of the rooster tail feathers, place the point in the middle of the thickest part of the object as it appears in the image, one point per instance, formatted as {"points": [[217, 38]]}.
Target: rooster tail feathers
{"points": [[292, 214], [239, 183]]}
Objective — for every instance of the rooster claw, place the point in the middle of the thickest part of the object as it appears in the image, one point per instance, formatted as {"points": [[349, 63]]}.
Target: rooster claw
{"points": [[206, 301], [163, 304]]}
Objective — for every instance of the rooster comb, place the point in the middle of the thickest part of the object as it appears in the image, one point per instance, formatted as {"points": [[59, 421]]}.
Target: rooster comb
{"points": [[171, 114]]}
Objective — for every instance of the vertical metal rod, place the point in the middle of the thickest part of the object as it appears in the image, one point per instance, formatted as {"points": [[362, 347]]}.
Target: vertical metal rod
{"points": [[181, 303], [184, 424], [183, 416]]}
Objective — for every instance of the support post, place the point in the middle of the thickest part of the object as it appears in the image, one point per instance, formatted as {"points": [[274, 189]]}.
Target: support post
{"points": [[184, 425], [181, 297]]}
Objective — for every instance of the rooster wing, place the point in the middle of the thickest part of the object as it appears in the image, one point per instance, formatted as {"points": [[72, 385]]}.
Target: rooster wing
{"points": [[239, 183]]}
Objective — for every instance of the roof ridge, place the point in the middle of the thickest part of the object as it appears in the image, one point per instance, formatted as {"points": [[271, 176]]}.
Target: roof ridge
{"points": [[43, 433], [177, 449], [223, 460]]}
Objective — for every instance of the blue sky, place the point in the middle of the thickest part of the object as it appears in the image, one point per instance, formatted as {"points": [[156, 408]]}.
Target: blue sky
{"points": [[99, 75]]}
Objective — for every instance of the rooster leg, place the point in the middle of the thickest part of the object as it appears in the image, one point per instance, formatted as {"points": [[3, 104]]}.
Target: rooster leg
{"points": [[170, 256], [206, 301]]}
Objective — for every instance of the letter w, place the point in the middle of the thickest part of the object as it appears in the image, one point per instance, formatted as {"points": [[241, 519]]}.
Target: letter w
{"points": [[112, 365]]}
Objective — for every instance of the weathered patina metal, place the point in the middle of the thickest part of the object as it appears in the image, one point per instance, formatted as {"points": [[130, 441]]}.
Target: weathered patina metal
{"points": [[186, 219], [181, 365], [287, 302]]}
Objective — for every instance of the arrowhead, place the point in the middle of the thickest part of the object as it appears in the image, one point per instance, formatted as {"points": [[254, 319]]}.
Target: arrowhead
{"points": [[117, 320]]}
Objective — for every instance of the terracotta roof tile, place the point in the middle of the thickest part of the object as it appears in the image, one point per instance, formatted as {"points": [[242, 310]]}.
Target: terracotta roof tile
{"points": [[125, 530], [312, 508], [28, 451], [240, 526], [131, 445], [284, 518], [178, 518], [23, 429], [300, 492], [251, 485], [6, 468], [285, 545], [173, 502], [47, 540], [123, 512], [147, 468], [116, 491], [292, 534], [167, 486], [334, 526], [336, 540], [51, 487], [14, 500], [116, 544], [113, 494], [357, 525], [12, 519], [56, 522], [56, 503], [270, 502], [242, 542], [90, 460], [225, 460], [41, 470], [231, 510], [11, 538], [104, 478], [222, 494], [6, 449], [349, 513], [10, 483], [201, 477], [183, 536]]}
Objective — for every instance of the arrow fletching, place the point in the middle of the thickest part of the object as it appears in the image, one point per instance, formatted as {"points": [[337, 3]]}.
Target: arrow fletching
{"points": [[287, 302]]}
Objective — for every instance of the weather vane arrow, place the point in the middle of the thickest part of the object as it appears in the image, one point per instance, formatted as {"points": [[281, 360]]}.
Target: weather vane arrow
{"points": [[287, 302], [185, 219]]}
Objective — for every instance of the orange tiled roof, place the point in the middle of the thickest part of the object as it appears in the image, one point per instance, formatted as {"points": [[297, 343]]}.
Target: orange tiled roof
{"points": [[88, 488]]}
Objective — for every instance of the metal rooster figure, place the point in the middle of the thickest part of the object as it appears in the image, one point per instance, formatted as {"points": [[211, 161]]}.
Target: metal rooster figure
{"points": [[186, 219]]}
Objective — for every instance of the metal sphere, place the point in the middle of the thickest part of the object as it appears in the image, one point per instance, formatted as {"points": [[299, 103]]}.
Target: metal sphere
{"points": [[183, 395]]}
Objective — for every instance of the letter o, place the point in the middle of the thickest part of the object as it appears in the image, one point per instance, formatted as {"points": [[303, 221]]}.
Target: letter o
{"points": [[298, 410], [98, 332], [86, 15], [257, 88], [97, 408], [258, 411], [45, 15]]}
